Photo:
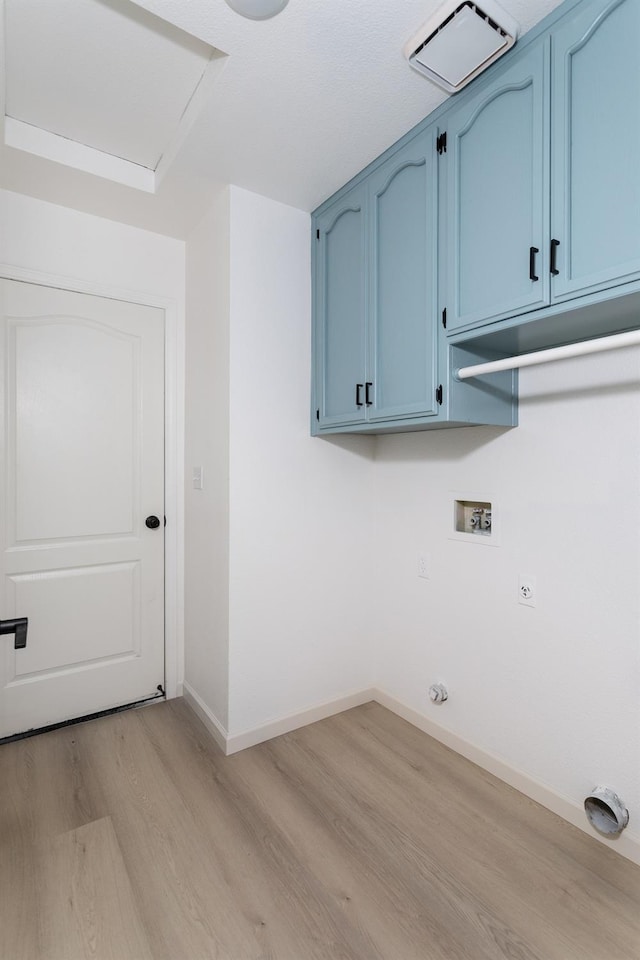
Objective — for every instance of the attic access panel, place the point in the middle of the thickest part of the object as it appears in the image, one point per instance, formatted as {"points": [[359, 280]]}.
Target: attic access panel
{"points": [[99, 75], [460, 41]]}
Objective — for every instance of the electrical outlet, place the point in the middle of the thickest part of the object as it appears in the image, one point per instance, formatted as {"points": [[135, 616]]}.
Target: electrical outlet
{"points": [[423, 566], [527, 590]]}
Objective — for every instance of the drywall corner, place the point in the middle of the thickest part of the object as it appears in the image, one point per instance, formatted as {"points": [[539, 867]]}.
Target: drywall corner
{"points": [[207, 448], [300, 506]]}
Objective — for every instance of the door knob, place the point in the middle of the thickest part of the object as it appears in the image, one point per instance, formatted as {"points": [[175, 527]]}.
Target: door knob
{"points": [[19, 628], [152, 522]]}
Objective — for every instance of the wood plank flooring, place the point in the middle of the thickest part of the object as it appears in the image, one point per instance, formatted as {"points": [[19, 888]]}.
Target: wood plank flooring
{"points": [[85, 886], [357, 838]]}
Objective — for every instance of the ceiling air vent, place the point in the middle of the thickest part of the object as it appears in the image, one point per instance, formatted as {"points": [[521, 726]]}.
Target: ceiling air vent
{"points": [[460, 41]]}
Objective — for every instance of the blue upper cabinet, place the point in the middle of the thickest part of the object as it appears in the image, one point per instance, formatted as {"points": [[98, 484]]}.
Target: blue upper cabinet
{"points": [[340, 310], [375, 297], [507, 221], [596, 147], [379, 361], [497, 221], [524, 233], [402, 361]]}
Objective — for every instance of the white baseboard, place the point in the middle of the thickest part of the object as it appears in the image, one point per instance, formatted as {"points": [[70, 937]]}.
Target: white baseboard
{"points": [[202, 711], [275, 728], [626, 844]]}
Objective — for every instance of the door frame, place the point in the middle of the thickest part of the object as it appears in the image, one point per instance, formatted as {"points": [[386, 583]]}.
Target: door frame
{"points": [[174, 385]]}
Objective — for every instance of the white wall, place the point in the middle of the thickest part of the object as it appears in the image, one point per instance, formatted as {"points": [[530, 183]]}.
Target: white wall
{"points": [[56, 240], [278, 543], [207, 446], [553, 691], [300, 555], [101, 256]]}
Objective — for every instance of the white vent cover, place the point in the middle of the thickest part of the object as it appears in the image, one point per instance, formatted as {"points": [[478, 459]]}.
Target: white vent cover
{"points": [[460, 41]]}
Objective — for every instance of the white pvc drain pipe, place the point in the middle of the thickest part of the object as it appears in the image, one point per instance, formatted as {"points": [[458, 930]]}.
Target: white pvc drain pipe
{"points": [[606, 812]]}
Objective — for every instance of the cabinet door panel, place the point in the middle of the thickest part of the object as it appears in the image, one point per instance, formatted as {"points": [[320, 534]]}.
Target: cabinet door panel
{"points": [[596, 147], [341, 306], [403, 295], [498, 180]]}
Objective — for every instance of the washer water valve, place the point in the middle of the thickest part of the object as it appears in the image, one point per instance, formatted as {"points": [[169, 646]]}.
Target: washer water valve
{"points": [[473, 517], [438, 693], [476, 519]]}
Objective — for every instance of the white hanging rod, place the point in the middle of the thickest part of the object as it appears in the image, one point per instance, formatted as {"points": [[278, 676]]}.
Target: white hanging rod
{"points": [[615, 342]]}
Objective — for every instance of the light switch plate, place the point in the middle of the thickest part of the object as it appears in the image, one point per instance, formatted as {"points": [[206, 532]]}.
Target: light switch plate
{"points": [[198, 478]]}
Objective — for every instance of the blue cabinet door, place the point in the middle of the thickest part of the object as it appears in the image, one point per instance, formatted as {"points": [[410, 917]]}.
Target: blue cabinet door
{"points": [[497, 220], [596, 147], [340, 310], [402, 358]]}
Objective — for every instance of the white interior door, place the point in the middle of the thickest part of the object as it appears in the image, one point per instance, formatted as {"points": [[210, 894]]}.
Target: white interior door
{"points": [[83, 466]]}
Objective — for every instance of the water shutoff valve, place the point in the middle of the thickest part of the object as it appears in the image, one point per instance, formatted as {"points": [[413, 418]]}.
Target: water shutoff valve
{"points": [[476, 519], [438, 693], [473, 517]]}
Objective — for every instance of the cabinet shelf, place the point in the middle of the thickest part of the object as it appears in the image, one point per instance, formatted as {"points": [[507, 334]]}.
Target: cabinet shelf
{"points": [[569, 322]]}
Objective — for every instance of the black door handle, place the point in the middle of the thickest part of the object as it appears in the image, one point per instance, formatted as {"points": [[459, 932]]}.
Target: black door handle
{"points": [[532, 263], [553, 258], [367, 395], [19, 627], [152, 522], [358, 397]]}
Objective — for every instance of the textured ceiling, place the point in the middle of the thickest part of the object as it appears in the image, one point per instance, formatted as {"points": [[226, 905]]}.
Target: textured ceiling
{"points": [[304, 102]]}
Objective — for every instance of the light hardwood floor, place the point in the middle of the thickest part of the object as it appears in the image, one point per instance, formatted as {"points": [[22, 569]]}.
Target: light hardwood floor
{"points": [[356, 838]]}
